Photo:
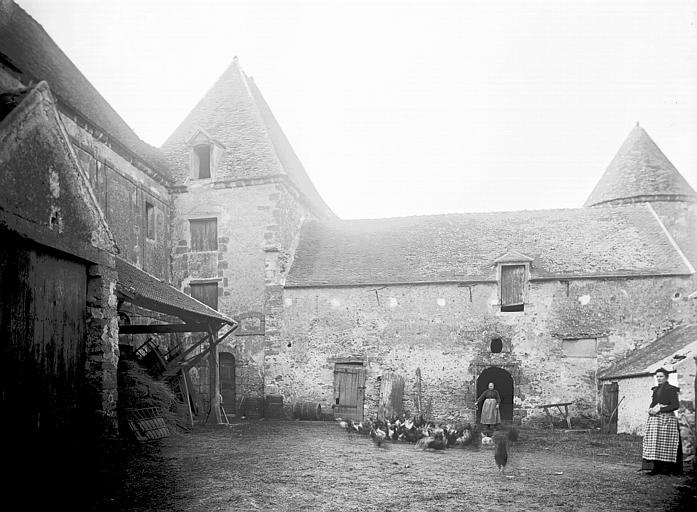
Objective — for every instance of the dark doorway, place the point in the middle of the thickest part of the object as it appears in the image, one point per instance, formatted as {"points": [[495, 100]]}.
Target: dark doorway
{"points": [[227, 382], [503, 383]]}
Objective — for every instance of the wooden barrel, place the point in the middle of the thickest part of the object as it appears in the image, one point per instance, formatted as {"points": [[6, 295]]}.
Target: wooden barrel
{"points": [[273, 407], [307, 411]]}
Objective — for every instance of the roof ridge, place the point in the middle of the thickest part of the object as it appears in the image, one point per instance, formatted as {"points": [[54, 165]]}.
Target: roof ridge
{"points": [[44, 60], [291, 164], [497, 212], [231, 110], [672, 241]]}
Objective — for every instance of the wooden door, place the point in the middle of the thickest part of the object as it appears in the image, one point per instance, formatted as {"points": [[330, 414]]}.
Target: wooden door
{"points": [[227, 382], [42, 329], [391, 396], [608, 416], [512, 281], [349, 386]]}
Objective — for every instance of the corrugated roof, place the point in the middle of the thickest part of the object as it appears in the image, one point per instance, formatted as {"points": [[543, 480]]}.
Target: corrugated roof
{"points": [[38, 57], [640, 170], [148, 291], [583, 242], [664, 347]]}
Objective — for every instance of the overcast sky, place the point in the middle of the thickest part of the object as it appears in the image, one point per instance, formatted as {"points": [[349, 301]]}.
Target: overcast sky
{"points": [[410, 108]]}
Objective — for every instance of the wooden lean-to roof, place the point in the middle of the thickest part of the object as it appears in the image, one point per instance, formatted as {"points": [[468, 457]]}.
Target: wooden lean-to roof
{"points": [[142, 289]]}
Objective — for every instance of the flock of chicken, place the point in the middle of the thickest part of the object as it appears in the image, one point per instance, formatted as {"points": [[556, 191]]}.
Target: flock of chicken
{"points": [[427, 435]]}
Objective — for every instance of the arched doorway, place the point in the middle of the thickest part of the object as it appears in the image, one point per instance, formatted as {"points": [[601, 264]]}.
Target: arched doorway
{"points": [[227, 382], [503, 383]]}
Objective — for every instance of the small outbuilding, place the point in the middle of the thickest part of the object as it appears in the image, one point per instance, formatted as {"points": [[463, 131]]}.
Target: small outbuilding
{"points": [[626, 385]]}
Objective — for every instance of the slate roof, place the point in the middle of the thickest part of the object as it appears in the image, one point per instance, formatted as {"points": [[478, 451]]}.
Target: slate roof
{"points": [[641, 171], [583, 242], [32, 51], [148, 291], [290, 161], [235, 113], [640, 360]]}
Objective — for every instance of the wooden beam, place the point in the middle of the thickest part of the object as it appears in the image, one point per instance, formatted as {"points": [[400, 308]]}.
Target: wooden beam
{"points": [[214, 416], [181, 362], [185, 385], [161, 328]]}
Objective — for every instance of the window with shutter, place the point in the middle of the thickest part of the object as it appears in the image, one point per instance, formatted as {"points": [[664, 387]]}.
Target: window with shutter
{"points": [[204, 235], [206, 293], [512, 287]]}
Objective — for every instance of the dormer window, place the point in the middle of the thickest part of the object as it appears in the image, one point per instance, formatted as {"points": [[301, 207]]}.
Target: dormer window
{"points": [[513, 271], [512, 288], [206, 154], [202, 161]]}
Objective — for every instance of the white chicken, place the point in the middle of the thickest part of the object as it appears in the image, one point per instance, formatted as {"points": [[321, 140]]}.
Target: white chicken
{"points": [[487, 441], [378, 436]]}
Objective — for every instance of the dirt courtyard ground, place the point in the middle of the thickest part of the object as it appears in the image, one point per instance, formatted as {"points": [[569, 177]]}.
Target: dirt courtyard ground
{"points": [[316, 466]]}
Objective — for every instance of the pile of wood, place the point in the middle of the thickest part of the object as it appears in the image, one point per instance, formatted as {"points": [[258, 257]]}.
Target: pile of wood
{"points": [[147, 407]]}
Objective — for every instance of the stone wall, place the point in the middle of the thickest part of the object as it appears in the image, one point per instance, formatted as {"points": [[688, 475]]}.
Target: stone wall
{"points": [[258, 225], [446, 331], [122, 191], [102, 344], [46, 198]]}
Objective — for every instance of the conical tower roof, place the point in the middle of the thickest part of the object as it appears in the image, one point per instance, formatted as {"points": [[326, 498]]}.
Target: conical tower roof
{"points": [[640, 172]]}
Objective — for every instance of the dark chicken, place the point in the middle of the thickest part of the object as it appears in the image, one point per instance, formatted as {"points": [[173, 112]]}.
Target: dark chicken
{"points": [[501, 454], [435, 441]]}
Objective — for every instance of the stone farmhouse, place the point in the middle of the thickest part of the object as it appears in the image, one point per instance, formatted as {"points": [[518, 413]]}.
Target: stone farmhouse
{"points": [[220, 241]]}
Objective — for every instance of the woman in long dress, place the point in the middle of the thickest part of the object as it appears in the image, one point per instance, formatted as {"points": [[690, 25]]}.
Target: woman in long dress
{"points": [[490, 400], [662, 449]]}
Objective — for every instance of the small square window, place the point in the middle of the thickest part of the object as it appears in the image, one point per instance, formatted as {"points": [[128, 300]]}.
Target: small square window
{"points": [[204, 235], [149, 221], [206, 293]]}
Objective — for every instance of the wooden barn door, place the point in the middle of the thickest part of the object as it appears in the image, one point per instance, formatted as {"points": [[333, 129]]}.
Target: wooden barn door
{"points": [[349, 385], [42, 333], [391, 396], [608, 417]]}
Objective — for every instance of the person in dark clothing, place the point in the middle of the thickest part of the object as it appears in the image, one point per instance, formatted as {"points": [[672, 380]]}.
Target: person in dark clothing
{"points": [[662, 448], [490, 400]]}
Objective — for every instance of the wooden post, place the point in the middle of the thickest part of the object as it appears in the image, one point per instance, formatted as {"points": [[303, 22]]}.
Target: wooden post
{"points": [[419, 407], [391, 391], [187, 397], [213, 381]]}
